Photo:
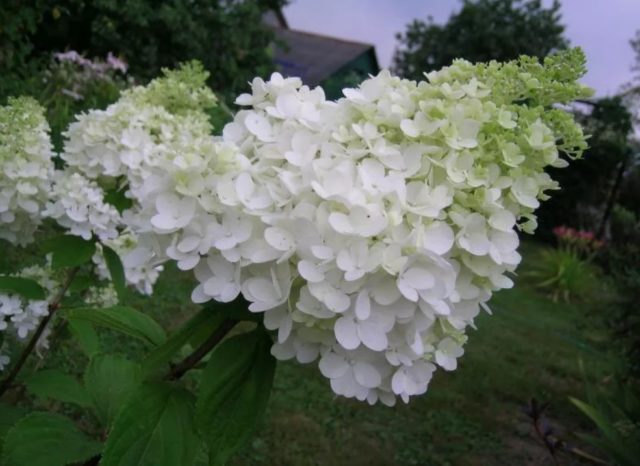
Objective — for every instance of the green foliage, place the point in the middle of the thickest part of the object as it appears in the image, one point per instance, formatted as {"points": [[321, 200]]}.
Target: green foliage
{"points": [[623, 315], [117, 197], [154, 428], [46, 439], [116, 271], [121, 319], [86, 336], [564, 275], [481, 31], [625, 225], [234, 391], [25, 287], [69, 251], [616, 415], [228, 37], [54, 384], [19, 20], [9, 415], [195, 329], [588, 184], [109, 380]]}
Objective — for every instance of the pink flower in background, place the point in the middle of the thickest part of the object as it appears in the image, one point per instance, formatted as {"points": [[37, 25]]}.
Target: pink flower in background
{"points": [[580, 241], [116, 63], [112, 62]]}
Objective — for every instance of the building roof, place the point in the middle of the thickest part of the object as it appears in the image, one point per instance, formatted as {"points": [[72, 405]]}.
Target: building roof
{"points": [[313, 57]]}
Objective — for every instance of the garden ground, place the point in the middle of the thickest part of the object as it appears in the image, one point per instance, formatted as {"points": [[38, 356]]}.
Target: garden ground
{"points": [[530, 347]]}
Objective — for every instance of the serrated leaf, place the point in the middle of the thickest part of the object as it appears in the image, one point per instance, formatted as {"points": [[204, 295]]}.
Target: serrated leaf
{"points": [[25, 287], [122, 319], [9, 415], [197, 328], [110, 379], [54, 384], [234, 390], [47, 439], [86, 336], [69, 251], [116, 271], [154, 428]]}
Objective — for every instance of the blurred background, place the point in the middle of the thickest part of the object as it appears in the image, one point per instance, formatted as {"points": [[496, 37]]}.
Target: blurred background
{"points": [[552, 377]]}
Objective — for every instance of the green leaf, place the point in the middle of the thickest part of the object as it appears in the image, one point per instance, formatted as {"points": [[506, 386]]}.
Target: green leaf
{"points": [[86, 336], [197, 328], [9, 415], [614, 443], [47, 439], [114, 264], [110, 380], [54, 384], [116, 197], [25, 287], [122, 319], [234, 391], [238, 309], [154, 428], [81, 283], [69, 251]]}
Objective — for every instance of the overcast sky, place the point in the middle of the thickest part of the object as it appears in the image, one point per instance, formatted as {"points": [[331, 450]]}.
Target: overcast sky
{"points": [[602, 28]]}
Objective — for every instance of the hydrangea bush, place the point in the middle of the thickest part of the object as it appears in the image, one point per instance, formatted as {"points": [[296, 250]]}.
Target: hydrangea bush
{"points": [[363, 234]]}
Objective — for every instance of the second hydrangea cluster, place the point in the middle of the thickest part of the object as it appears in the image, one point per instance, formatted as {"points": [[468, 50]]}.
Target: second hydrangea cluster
{"points": [[27, 168]]}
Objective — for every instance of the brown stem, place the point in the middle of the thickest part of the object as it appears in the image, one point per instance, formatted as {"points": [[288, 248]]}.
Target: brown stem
{"points": [[545, 441], [194, 358], [54, 305]]}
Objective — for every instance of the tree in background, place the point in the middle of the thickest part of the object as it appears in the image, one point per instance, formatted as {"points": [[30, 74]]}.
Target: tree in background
{"points": [[482, 30], [589, 193], [227, 36]]}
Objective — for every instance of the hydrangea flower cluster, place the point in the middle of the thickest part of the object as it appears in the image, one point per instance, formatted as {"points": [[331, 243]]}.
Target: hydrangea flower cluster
{"points": [[155, 144], [27, 168], [370, 231]]}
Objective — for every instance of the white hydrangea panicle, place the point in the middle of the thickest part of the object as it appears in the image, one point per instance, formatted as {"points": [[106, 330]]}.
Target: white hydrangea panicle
{"points": [[27, 168], [156, 145], [372, 230]]}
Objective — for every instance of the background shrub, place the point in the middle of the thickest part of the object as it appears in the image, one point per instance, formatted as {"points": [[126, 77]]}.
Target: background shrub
{"points": [[227, 36]]}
